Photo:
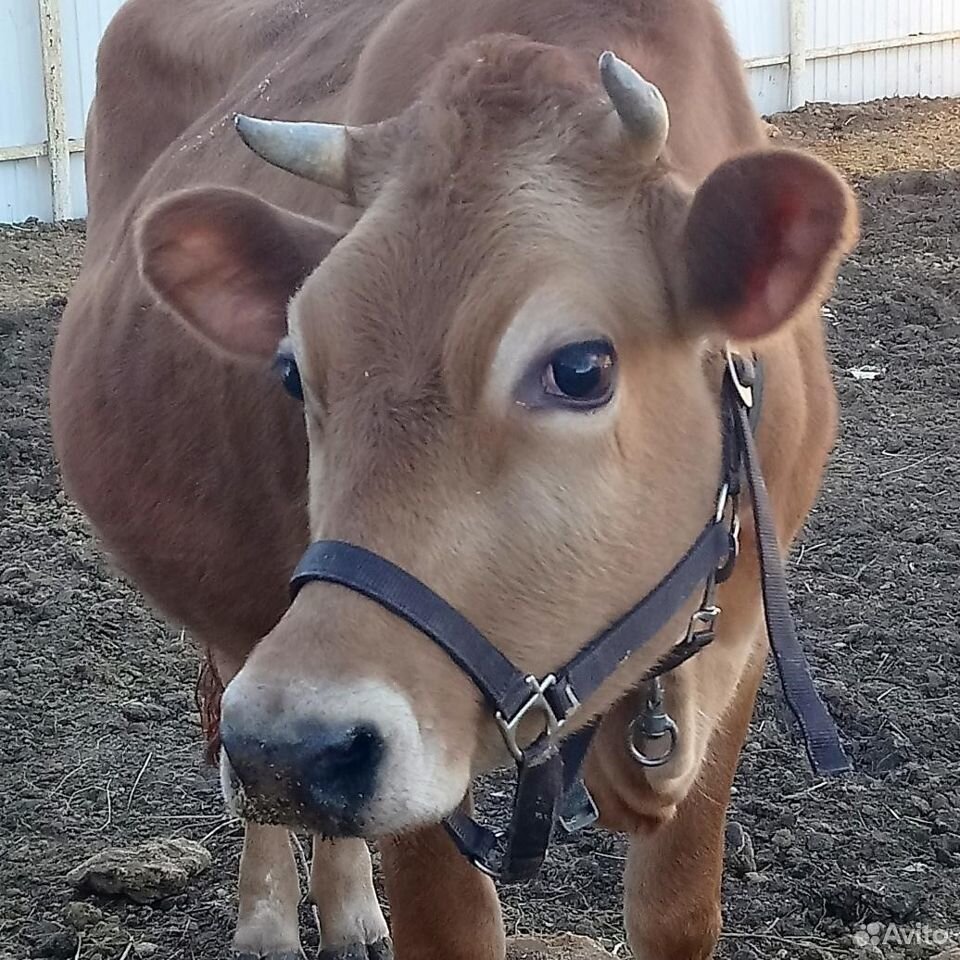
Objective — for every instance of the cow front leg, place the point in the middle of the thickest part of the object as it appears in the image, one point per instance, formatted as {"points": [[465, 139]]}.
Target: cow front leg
{"points": [[267, 922], [441, 908], [672, 886], [352, 926], [674, 869]]}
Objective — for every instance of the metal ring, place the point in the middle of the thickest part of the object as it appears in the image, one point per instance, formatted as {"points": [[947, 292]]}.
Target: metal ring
{"points": [[636, 735]]}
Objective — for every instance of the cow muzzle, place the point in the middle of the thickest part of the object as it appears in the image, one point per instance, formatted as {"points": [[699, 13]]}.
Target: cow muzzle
{"points": [[339, 760], [316, 774]]}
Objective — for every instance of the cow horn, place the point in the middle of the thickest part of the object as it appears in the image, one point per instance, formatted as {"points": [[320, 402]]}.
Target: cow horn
{"points": [[639, 104], [316, 151]]}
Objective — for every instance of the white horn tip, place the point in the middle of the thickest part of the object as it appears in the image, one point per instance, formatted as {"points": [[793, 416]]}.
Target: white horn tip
{"points": [[639, 102], [606, 60]]}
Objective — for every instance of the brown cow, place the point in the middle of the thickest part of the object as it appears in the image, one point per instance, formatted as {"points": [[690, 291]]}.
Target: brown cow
{"points": [[509, 301]]}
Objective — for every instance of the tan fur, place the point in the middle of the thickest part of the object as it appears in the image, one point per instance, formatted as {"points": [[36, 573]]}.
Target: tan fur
{"points": [[494, 195]]}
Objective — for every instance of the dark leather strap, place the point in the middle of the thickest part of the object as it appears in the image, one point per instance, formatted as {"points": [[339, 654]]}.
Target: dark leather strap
{"points": [[525, 844], [535, 806], [479, 844], [404, 595], [819, 732], [583, 675]]}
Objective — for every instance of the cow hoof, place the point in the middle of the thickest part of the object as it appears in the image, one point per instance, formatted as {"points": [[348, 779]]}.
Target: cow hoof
{"points": [[381, 949]]}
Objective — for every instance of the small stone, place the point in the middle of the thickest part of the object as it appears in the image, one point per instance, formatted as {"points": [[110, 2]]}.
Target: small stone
{"points": [[82, 915], [152, 871], [145, 949], [142, 712], [783, 838], [739, 850], [566, 946]]}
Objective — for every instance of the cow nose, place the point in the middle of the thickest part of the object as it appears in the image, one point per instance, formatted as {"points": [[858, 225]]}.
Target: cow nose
{"points": [[314, 775]]}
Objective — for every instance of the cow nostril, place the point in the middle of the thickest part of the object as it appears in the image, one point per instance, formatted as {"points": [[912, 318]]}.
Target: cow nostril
{"points": [[343, 762], [358, 746]]}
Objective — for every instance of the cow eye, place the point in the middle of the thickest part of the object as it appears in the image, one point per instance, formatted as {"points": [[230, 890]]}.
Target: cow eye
{"points": [[581, 374], [285, 364]]}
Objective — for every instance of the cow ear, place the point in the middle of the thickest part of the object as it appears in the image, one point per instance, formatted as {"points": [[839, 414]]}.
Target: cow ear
{"points": [[227, 263], [764, 237]]}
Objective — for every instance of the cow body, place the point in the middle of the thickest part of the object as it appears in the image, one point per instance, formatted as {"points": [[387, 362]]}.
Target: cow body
{"points": [[169, 81], [192, 465]]}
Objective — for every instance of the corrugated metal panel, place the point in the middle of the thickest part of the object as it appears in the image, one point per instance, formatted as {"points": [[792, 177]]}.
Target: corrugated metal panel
{"points": [[25, 190], [768, 87], [24, 184], [761, 29], [916, 70], [83, 24]]}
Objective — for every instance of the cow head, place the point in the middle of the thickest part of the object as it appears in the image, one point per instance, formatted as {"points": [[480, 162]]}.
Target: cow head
{"points": [[504, 387]]}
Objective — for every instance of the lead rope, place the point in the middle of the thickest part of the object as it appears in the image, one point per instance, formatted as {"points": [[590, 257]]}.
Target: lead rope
{"points": [[819, 733]]}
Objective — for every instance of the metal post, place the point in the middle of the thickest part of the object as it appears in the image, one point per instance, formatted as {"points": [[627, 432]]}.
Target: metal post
{"points": [[797, 87], [58, 150]]}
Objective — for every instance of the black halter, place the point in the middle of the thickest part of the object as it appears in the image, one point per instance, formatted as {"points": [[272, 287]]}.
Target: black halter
{"points": [[549, 787]]}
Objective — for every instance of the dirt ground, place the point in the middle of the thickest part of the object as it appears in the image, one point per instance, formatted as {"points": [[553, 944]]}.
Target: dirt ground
{"points": [[100, 740]]}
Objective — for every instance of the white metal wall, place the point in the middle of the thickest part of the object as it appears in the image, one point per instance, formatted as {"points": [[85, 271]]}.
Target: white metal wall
{"points": [[855, 50], [25, 180], [842, 51]]}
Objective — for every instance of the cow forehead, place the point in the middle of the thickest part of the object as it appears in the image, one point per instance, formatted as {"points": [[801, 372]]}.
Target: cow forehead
{"points": [[417, 298], [500, 184]]}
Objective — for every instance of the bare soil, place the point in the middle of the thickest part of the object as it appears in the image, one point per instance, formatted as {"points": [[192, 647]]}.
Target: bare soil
{"points": [[100, 744]]}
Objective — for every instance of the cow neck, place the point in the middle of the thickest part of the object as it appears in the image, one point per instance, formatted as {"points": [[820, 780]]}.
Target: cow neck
{"points": [[550, 789]]}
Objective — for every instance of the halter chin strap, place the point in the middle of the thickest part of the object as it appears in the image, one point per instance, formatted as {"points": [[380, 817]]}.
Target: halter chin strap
{"points": [[549, 788]]}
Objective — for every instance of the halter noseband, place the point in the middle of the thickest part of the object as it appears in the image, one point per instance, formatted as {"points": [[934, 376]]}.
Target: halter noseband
{"points": [[549, 787]]}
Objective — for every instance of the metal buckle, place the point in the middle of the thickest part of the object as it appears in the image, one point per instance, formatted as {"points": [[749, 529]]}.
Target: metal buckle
{"points": [[725, 499], [701, 624], [538, 701], [723, 573], [744, 391]]}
